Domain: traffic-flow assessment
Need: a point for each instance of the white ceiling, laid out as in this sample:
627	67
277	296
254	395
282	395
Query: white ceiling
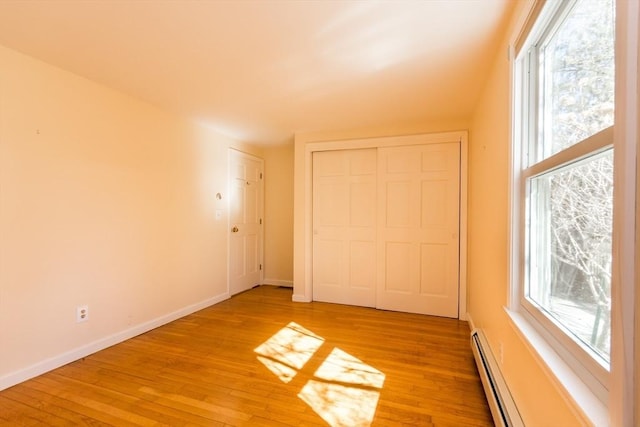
260	71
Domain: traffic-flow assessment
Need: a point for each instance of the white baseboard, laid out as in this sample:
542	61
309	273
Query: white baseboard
300	298
278	282
472	325
47	365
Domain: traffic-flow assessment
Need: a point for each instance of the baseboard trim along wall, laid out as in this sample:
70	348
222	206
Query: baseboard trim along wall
469	320
300	298
52	363
278	282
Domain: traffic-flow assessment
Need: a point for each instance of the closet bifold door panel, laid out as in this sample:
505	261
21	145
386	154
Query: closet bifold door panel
418	229
386	227
344	226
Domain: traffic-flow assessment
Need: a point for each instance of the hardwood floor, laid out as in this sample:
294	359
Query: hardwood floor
260	360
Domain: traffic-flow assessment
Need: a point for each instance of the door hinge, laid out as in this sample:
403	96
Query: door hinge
260	266
260	175
260	221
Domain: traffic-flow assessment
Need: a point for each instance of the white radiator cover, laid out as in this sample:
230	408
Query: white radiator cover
503	408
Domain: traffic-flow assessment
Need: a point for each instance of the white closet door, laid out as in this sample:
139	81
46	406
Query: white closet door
344	227
418	229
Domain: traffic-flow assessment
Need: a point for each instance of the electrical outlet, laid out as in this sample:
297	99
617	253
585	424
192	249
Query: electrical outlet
82	313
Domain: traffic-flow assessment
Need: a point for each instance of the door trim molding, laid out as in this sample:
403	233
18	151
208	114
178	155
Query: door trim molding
303	209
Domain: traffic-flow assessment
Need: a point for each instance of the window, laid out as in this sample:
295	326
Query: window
563	146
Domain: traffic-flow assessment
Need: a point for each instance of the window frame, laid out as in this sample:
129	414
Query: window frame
526	123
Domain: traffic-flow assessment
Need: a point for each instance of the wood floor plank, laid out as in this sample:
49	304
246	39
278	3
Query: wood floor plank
370	367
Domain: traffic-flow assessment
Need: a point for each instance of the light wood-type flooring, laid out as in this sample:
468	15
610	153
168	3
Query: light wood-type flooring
259	359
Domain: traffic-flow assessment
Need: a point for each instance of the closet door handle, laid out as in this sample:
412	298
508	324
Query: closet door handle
235	229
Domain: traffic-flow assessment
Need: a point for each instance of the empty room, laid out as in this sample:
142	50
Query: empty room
319	213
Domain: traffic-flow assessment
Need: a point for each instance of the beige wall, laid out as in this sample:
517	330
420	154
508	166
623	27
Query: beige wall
278	232
104	201
488	267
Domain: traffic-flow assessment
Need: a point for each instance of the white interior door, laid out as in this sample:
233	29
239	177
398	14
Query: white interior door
344	227
418	228
245	221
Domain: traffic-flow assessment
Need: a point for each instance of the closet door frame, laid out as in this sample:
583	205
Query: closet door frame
303	209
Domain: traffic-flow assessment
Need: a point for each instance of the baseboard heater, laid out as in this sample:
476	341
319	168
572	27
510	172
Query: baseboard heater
503	409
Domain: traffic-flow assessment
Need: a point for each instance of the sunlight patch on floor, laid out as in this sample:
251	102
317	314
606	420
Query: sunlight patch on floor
288	350
282	371
341	405
346	392
342	367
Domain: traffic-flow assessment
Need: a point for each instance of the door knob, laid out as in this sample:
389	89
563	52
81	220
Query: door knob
234	229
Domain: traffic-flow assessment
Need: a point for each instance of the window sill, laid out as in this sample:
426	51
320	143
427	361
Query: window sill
587	405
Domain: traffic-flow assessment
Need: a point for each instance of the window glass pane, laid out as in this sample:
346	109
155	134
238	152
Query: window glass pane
569	228
576	77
